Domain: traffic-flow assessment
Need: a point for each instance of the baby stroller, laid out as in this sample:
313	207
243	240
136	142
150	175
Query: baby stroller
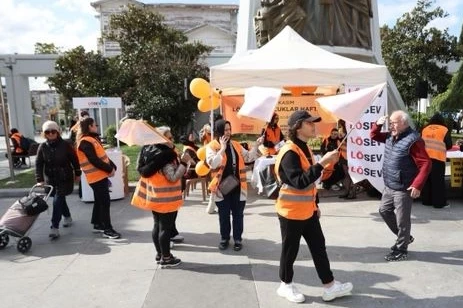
20	217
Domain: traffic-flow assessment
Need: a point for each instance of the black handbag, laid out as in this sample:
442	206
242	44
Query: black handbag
228	184
270	184
33	205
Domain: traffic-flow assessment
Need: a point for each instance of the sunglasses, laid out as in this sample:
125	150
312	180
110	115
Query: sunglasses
48	132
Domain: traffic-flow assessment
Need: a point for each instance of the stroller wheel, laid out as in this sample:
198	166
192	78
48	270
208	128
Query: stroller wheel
4	239
24	244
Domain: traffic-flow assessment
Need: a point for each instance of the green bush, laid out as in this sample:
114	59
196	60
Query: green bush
109	134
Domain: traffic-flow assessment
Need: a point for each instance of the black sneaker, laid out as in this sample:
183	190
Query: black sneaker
170	262
223	244
238	246
98	228
111	233
158	258
396	256
394	247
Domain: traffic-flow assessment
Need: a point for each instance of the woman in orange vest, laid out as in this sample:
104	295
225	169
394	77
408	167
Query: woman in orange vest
97	167
332	174
189	147
297	208
15	137
438	139
159	191
226	158
272	136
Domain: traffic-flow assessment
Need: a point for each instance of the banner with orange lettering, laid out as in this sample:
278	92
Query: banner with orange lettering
285	107
365	156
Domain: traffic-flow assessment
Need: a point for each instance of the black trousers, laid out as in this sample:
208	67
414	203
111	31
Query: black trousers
101	212
162	231
434	189
311	230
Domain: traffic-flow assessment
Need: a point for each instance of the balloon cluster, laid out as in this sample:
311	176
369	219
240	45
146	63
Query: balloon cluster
208	99
201	167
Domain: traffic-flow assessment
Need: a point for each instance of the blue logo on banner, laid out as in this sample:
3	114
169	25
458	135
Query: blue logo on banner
103	102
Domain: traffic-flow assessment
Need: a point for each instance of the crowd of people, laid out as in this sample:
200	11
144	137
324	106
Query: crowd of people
409	159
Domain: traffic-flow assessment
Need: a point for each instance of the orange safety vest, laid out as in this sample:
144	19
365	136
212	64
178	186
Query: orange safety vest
17	138
294	203
92	173
433	136
158	194
273	136
216	174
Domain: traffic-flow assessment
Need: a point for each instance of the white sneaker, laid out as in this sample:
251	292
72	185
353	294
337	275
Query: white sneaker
67	222
290	292
54	233
338	289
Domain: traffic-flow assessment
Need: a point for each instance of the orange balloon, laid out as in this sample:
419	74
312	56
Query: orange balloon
216	99
204	104
201	153
200	88
201	169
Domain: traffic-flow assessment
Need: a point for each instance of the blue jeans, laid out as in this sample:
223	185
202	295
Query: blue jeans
231	203
60	208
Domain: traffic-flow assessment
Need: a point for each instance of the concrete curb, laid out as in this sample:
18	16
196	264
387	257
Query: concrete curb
21	192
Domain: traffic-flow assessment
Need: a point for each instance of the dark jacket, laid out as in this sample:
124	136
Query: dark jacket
57	164
153	158
399	169
291	172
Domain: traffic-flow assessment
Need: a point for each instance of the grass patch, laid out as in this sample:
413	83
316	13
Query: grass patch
25	179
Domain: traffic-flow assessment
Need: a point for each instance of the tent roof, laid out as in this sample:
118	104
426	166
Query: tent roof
289	60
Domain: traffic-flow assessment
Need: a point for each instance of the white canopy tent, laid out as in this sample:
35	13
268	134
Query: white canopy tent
289	60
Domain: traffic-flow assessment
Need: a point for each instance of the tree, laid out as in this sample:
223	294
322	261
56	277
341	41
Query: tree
452	98
46	48
415	52
81	73
159	59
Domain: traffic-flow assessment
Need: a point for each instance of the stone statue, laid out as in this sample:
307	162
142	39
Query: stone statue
274	15
326	22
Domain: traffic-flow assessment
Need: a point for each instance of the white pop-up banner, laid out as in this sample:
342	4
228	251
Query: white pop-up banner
96	102
365	156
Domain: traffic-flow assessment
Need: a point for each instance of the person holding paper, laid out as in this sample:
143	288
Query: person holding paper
159	191
273	137
227	159
406	166
298	211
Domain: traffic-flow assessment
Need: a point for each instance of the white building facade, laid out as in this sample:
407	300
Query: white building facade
212	25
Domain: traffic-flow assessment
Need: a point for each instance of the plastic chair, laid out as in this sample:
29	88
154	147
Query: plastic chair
190	184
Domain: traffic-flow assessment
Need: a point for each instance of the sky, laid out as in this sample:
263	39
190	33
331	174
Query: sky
70	23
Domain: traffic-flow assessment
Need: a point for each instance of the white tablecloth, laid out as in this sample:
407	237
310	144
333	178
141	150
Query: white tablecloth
260	164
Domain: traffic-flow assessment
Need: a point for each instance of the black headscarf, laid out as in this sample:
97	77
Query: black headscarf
437	118
219	128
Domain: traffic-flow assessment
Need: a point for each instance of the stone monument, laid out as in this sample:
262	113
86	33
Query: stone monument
349	28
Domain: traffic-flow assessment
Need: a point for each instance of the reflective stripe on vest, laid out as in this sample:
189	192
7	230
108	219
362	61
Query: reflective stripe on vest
272	136
433	136
92	173
216	174
294	203
157	194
